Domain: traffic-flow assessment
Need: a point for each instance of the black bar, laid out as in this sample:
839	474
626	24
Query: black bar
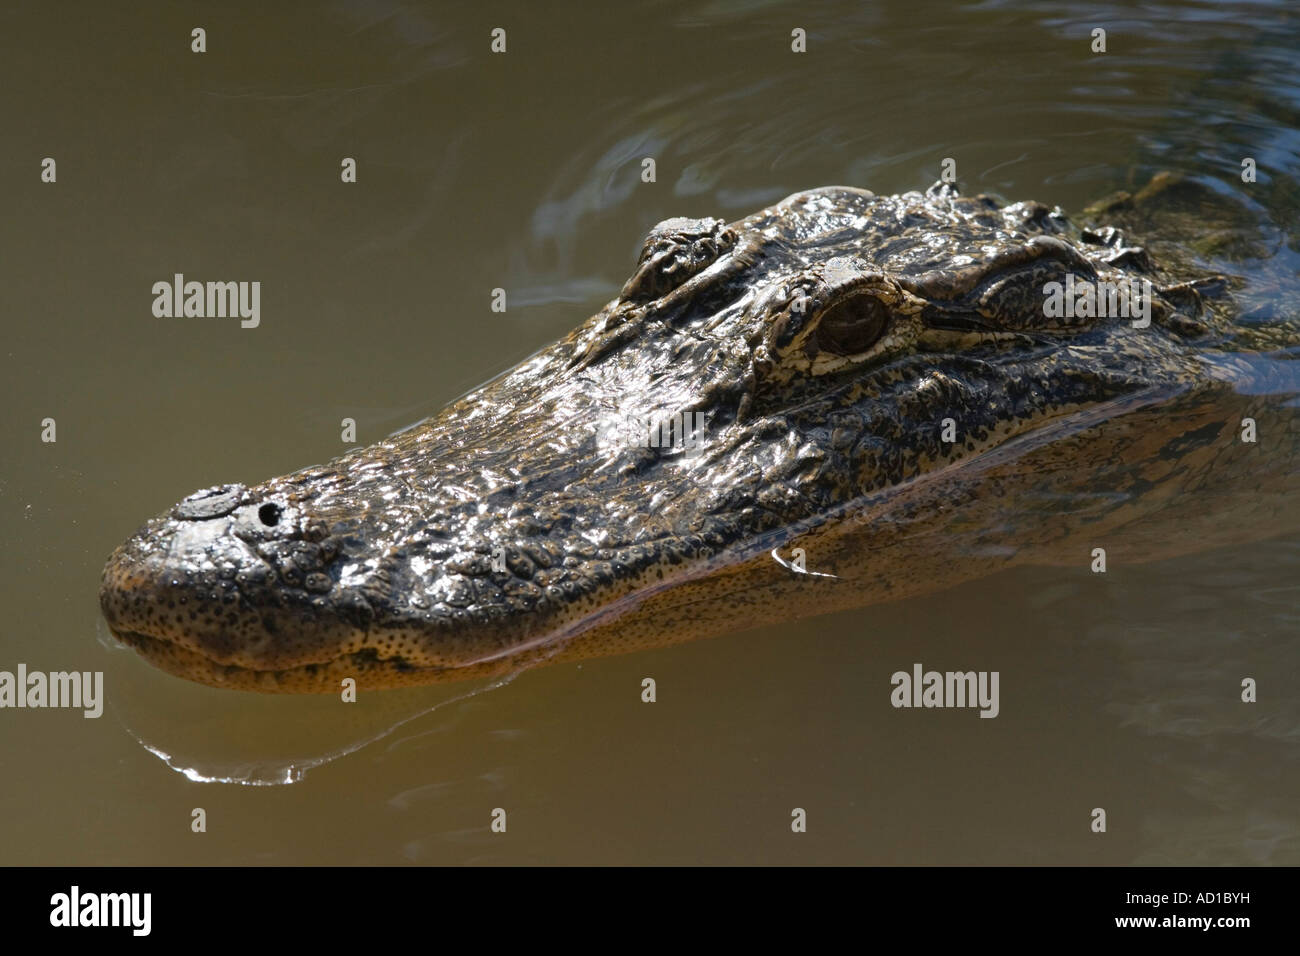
437	905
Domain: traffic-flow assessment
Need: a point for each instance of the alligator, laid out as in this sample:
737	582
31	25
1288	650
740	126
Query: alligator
843	399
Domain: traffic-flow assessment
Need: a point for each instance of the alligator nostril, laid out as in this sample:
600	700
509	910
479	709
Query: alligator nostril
269	513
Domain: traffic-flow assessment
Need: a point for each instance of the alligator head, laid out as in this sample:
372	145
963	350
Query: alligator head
755	384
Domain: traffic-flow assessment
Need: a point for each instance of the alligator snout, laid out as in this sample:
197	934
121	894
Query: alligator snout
228	579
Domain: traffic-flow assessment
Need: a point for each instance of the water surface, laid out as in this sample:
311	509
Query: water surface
522	171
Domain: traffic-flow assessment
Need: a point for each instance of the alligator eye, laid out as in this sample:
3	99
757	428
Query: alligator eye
852	326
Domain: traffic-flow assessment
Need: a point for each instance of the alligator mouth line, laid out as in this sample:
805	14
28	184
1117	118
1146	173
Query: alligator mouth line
180	661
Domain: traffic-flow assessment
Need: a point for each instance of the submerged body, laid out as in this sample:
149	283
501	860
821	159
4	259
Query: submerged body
876	381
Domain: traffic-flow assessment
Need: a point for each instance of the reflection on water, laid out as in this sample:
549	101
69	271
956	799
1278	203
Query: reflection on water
270	744
525	172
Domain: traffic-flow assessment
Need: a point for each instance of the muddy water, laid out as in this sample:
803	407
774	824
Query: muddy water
522	171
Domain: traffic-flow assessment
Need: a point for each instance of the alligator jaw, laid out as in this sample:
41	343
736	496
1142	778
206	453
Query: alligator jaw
876	382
